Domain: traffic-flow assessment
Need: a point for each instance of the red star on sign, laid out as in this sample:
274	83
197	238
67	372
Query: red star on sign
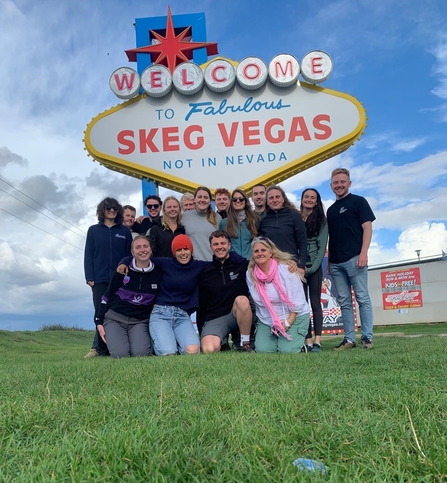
172	49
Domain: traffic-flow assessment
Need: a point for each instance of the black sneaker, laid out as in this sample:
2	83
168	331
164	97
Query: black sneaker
316	347
367	344
345	344
246	347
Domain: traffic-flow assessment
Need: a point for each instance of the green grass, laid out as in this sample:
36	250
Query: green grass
412	329
369	416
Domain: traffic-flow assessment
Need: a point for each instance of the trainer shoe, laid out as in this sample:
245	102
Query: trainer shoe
345	344
246	347
91	353
316	347
367	344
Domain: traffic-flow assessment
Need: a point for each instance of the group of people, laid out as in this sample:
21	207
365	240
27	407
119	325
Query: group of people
246	271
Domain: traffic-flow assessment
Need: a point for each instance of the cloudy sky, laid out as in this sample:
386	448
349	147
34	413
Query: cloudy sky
57	58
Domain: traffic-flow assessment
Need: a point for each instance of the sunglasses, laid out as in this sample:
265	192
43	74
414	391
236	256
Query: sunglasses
153	207
239	199
112	208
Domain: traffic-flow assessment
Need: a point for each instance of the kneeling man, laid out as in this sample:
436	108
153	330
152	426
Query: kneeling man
223	306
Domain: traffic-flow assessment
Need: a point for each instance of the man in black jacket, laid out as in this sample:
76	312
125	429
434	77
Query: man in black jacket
223	297
152	204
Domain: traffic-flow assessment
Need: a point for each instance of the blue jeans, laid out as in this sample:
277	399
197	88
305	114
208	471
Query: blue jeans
345	275
171	330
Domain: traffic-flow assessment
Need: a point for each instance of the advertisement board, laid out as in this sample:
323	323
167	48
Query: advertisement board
401	289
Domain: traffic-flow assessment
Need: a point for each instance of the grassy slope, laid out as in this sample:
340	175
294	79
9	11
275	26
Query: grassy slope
225	417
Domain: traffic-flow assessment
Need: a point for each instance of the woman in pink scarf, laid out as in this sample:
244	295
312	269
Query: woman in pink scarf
281	307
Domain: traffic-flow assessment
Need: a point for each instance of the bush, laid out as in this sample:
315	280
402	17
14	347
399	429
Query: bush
60	327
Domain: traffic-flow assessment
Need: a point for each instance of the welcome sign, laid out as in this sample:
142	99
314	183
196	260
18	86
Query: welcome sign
224	123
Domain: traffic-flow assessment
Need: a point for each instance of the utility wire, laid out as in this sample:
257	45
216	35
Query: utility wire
40	204
41	229
52	219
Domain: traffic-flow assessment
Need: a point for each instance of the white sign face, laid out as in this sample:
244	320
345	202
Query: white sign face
228	139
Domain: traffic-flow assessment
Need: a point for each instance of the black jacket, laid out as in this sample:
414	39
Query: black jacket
131	296
219	285
145	225
287	231
104	248
161	238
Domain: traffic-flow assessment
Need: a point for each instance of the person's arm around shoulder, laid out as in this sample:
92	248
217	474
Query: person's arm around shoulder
362	260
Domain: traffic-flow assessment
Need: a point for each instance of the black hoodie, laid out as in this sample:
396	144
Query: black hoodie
219	285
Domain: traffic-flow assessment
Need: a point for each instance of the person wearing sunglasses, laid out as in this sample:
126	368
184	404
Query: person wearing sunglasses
106	244
241	223
152	204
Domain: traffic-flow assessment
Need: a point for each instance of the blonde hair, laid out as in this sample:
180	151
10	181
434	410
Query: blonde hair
164	217
341	171
277	254
186	196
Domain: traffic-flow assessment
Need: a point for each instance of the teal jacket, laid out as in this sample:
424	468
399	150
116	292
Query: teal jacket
316	248
242	244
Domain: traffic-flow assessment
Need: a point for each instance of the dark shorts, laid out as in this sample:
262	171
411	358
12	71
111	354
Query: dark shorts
221	327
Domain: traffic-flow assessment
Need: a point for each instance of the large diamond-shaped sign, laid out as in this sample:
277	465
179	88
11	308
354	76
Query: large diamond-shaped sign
227	139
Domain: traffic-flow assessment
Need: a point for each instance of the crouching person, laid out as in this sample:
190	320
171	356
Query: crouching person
281	307
123	319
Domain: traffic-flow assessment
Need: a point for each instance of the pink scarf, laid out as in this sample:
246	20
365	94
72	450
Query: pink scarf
260	279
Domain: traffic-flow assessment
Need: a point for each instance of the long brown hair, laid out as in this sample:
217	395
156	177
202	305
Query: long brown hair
251	218
287	202
210	214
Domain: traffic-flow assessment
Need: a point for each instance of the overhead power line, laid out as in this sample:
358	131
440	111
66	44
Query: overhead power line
41	229
40	204
52	219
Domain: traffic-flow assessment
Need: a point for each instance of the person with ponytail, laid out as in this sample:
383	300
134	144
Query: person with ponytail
200	223
281	307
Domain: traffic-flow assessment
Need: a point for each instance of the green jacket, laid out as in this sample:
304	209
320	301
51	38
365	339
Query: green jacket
316	248
242	244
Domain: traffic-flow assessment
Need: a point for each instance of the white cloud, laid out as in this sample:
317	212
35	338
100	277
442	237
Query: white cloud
430	238
408	145
440	71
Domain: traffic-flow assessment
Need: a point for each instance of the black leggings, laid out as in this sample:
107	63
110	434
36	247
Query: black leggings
314	284
98	290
